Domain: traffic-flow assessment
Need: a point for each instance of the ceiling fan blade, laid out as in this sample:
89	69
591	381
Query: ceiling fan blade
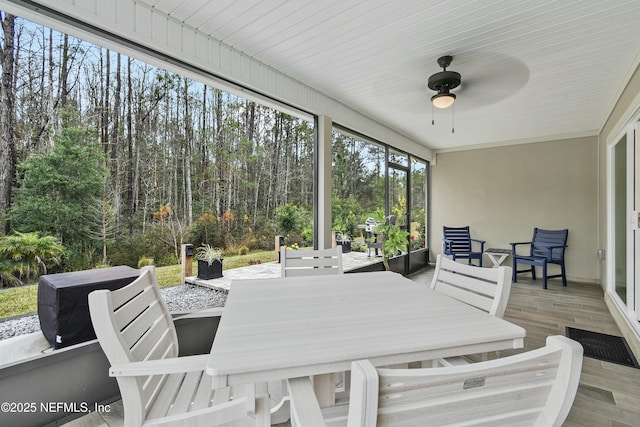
488	79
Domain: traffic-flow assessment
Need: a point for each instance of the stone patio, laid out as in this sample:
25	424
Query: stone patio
350	261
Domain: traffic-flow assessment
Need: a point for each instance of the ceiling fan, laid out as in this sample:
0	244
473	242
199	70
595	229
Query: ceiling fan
489	77
443	82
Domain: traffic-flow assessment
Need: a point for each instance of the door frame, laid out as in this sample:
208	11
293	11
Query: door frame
630	308
407	214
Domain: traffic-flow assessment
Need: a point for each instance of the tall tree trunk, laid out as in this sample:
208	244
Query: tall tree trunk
52	67
115	139
105	105
187	154
7	95
64	72
49	107
204	155
219	184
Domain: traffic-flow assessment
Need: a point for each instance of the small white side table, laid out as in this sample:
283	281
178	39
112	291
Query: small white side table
497	256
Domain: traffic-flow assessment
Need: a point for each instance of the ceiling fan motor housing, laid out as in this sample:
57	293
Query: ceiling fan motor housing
444	81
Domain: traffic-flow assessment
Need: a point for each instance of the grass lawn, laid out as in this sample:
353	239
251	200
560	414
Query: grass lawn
24	299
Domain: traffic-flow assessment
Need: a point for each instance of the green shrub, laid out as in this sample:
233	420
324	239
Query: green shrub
307	235
145	261
25	256
243	250
288	218
129	250
206	229
101	265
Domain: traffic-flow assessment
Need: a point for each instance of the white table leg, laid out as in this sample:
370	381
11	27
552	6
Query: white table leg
497	262
325	388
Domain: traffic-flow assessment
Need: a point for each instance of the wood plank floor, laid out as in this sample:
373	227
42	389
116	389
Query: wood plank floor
609	394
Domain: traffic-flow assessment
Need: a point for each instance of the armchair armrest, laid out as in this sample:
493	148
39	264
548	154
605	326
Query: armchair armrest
514	244
557	247
162	366
481	242
519	243
305	409
447	244
550	249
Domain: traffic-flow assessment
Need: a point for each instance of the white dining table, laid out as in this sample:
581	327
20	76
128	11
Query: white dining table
281	328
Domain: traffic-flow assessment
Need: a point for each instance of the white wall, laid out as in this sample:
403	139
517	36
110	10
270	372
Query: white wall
504	192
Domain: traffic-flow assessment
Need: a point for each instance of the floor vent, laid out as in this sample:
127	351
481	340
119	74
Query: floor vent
609	348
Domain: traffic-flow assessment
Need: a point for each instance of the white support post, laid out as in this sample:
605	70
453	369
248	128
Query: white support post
324	225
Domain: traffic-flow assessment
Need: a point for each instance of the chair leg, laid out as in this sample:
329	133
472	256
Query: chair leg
514	272
564	275
544	276
533	272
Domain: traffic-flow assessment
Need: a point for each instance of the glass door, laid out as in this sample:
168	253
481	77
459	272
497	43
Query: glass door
620	218
622	264
407	203
398	196
418	212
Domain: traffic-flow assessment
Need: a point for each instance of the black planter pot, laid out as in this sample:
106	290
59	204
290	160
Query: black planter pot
346	246
207	272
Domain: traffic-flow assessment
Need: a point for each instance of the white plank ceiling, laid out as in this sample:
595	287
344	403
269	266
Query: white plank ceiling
531	70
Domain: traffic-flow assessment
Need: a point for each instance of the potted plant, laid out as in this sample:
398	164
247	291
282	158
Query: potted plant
395	239
344	239
209	262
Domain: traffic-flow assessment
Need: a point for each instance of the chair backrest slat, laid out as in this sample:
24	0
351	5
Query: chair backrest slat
460	238
140	325
310	263
126	293
536	388
132	309
321	262
310	272
476	300
154	344
544	239
485	288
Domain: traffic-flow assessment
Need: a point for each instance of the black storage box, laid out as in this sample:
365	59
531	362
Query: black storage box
63	306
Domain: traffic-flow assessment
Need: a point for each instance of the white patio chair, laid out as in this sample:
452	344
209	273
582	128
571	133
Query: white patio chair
308	263
487	289
136	332
536	388
296	263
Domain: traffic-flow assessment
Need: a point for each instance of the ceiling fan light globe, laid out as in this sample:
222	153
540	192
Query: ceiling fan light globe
443	100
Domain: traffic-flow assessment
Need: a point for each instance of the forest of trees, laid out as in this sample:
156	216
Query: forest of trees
119	160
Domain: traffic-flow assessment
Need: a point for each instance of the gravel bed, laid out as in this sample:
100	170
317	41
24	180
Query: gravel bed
178	298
